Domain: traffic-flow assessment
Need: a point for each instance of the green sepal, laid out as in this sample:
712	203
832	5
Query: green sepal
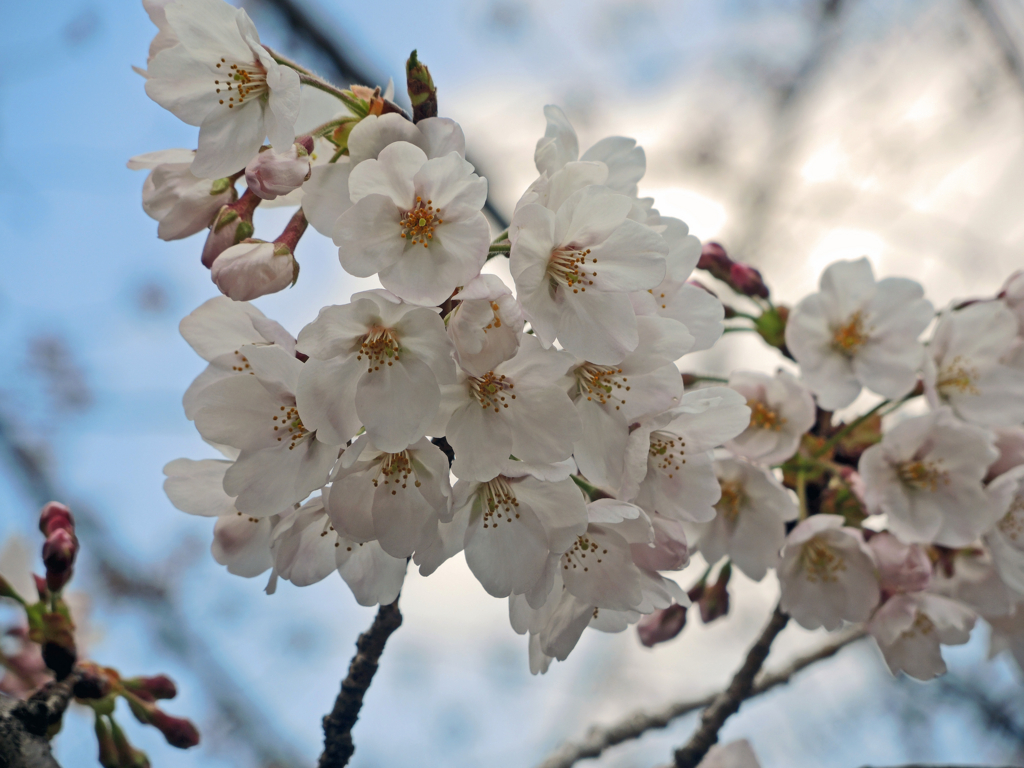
422	91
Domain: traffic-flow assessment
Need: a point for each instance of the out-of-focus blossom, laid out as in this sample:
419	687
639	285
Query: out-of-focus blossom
487	325
662	626
901	567
272	173
781	411
254	268
909	629
857	332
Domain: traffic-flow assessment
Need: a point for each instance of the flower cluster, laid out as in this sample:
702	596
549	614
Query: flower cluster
543	427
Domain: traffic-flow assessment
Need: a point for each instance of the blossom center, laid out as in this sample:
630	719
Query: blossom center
289	426
1012	524
395	469
566	268
603	383
820	562
763	417
921	627
499	502
731	501
419	223
576	557
241	82
666	452
380	346
922	475
848	338
957	378
491	390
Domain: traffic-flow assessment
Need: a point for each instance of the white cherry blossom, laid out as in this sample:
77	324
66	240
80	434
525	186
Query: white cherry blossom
750	527
221	79
1007	635
1012	294
857	332
375	362
781	411
217	330
926	477
968	370
395	498
909	629
827	574
281	461
668	465
608	398
306	549
273	173
574	268
254	268
165	37
415	221
901	567
1006	539
183	203
519	408
486	326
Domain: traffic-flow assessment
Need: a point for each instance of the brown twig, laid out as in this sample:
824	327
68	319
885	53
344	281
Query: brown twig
726	704
599	739
338	745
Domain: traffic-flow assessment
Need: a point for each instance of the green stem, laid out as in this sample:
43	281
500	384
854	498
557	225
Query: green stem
498	250
831	442
285	61
593	492
702	377
355	106
738	329
801	492
744	315
330	125
341	151
499	238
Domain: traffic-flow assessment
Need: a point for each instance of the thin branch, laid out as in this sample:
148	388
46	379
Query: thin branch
599	739
727	703
338	745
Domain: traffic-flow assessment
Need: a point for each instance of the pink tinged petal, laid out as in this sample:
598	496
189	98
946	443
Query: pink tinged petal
708	417
337	330
662	341
569	180
220	326
699	311
238	412
544	425
653	393
374	576
325	398
183	85
276	369
564	626
482	441
431	467
603	574
597	326
590	216
687	493
559	506
372	134
369	236
197	487
441	136
395	402
670	551
889	368
600	449
899	307
834	381
282	105
390	175
626	162
506	551
229	139
757	542
532	234
350	505
270	480
209	27
630	258
400	516
326	196
559	145
243	545
539	661
451	186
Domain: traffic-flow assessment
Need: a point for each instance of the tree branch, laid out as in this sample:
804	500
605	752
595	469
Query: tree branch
598	739
726	704
338	746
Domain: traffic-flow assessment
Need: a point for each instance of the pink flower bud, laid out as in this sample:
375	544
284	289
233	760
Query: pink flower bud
747	280
662	625
158	686
59	552
178	731
232	225
254	268
715	260
55	515
901	567
271	173
714	602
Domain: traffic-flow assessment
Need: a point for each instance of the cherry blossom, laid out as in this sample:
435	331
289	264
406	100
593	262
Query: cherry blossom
165	37
1006	539
781	411
254	268
668	464
968	371
375	362
857	332
909	629
281	460
901	567
750	527
415	221
827	574
217	330
1007	635
183	203
306	549
221	79
486	326
926	477
575	267
518	408
272	173
1012	294
394	498
609	398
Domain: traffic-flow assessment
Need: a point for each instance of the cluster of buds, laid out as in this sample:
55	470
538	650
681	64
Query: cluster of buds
742	278
61	545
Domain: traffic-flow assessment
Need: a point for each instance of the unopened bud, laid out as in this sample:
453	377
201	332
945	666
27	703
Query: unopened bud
178	731
422	91
271	173
714	602
901	567
662	625
254	268
108	755
41	588
59	551
55	515
127	755
157	686
93	682
715	260
232	225
747	281
772	327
